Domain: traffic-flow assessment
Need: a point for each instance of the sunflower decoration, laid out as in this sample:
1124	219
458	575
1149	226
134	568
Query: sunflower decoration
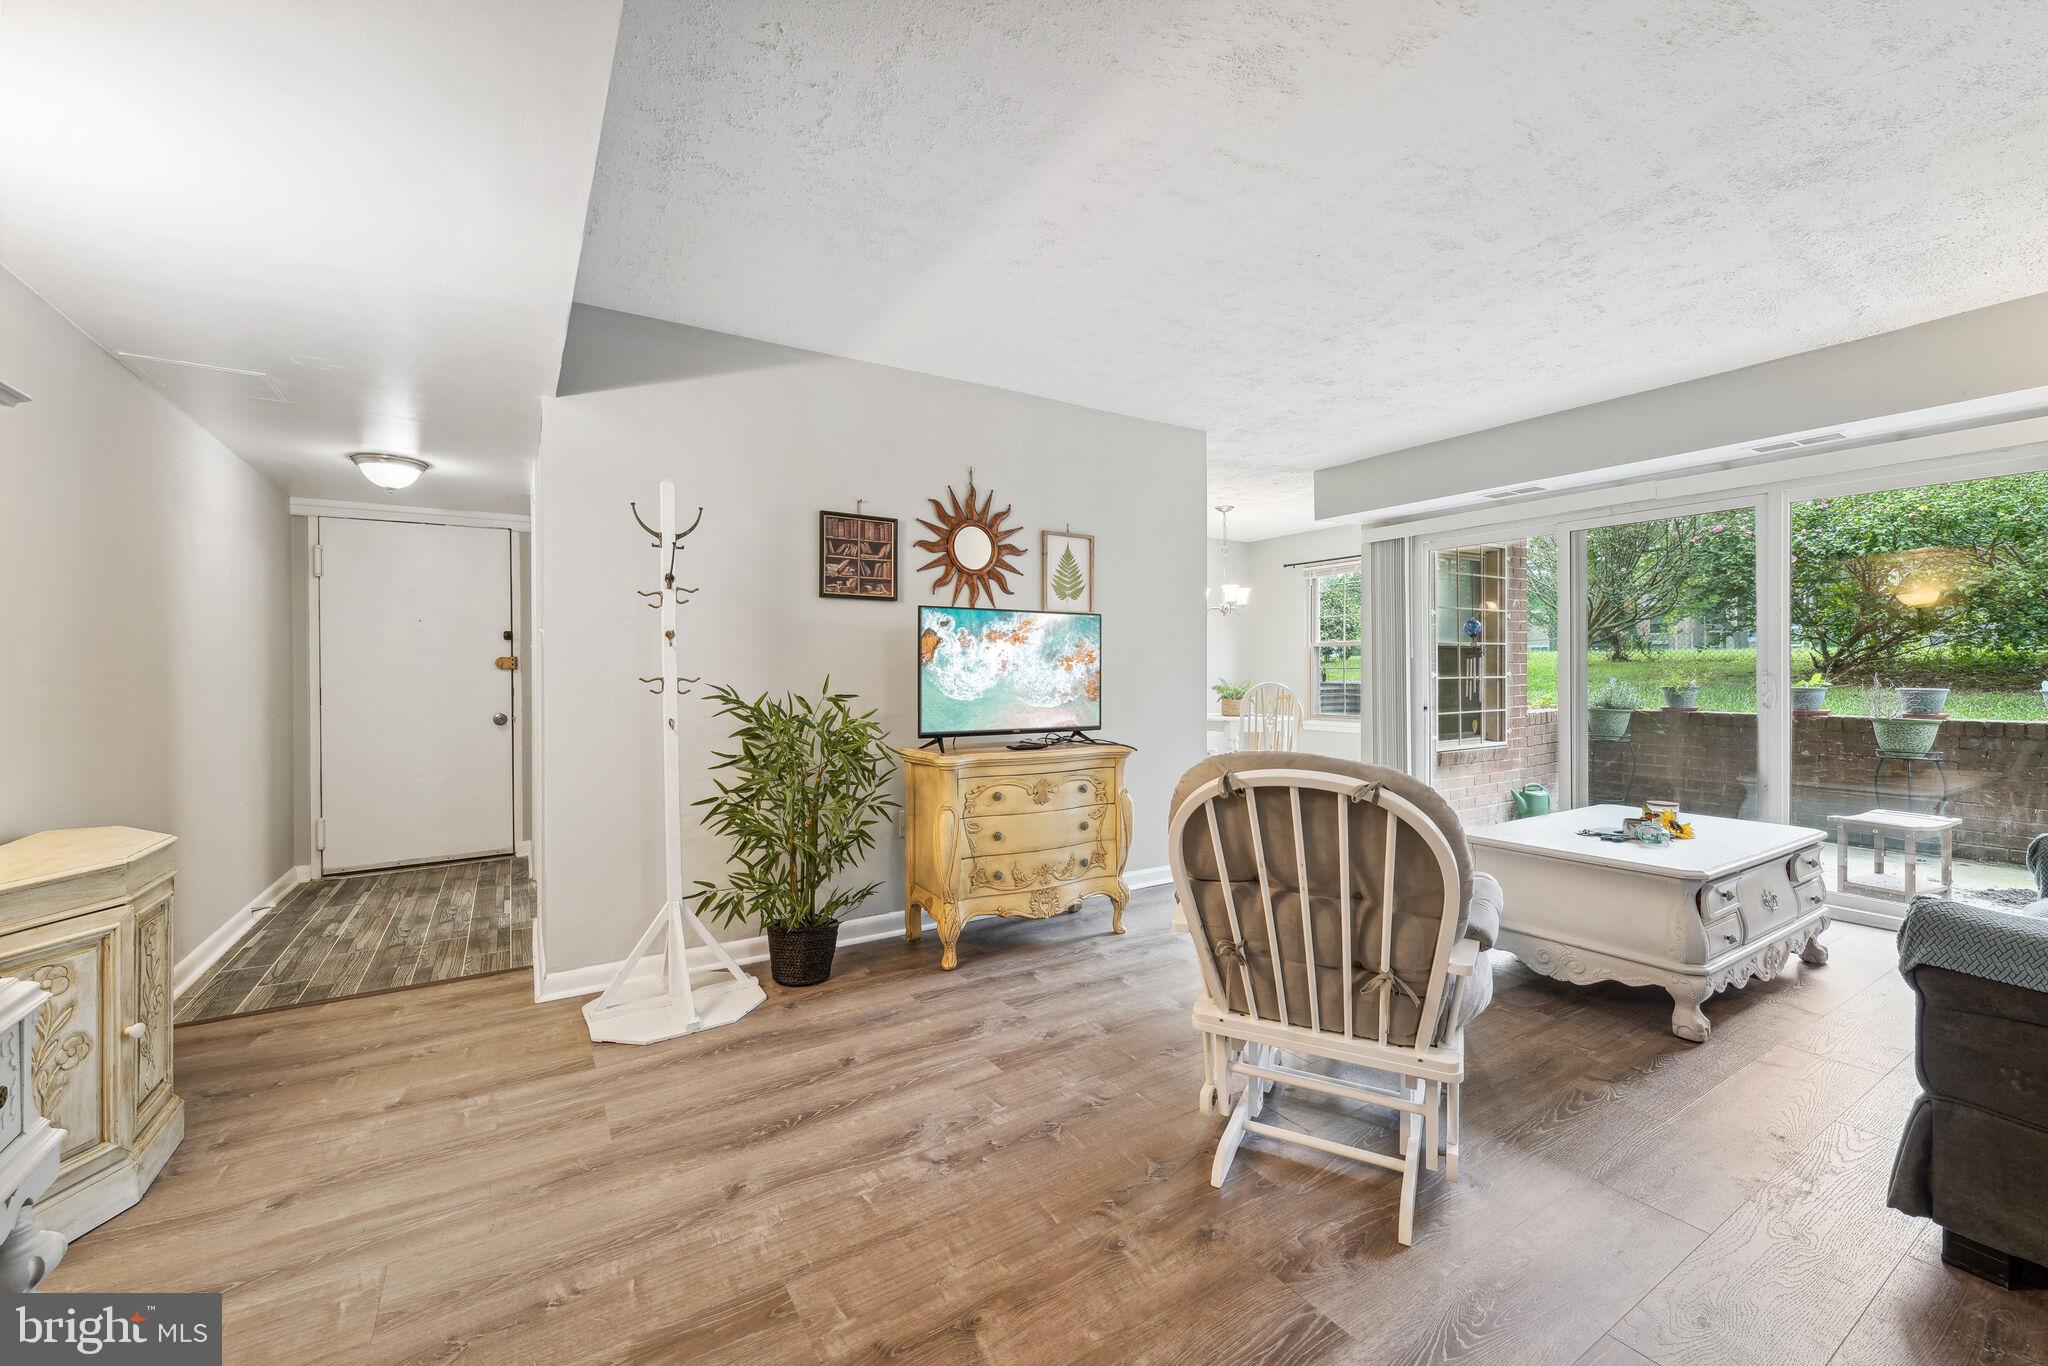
1673	826
971	545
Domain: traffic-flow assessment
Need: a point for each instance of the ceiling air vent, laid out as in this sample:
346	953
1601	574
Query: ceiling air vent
1512	493
11	397
1796	443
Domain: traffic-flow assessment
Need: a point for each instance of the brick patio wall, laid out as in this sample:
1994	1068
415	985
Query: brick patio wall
1997	773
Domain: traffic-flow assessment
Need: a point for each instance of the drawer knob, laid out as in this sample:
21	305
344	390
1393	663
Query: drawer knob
998	837
1084	787
136	1030
997	797
3	1097
1084	825
999	877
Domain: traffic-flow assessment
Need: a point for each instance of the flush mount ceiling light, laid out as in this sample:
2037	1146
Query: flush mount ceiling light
388	471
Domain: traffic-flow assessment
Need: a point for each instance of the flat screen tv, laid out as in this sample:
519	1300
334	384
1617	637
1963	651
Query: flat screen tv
994	671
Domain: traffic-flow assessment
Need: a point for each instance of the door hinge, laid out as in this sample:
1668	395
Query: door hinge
319	561
320	835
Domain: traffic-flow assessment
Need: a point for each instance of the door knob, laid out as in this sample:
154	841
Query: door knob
499	718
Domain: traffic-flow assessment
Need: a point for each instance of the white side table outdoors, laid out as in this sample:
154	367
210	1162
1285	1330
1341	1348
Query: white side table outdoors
1911	827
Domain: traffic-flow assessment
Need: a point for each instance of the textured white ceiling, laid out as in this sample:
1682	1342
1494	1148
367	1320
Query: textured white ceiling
377	204
1321	230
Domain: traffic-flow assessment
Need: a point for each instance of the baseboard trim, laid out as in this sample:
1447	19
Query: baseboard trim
556	986
215	946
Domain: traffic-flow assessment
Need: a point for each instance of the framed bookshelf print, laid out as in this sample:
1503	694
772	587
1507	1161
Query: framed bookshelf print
1066	572
856	556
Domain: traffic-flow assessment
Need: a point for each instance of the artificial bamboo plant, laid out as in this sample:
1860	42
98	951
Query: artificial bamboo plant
801	795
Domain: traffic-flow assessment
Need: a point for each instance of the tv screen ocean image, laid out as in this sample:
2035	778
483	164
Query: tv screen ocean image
983	669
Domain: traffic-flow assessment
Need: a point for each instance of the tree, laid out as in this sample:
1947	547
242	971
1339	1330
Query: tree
1876	576
1066	578
1641	576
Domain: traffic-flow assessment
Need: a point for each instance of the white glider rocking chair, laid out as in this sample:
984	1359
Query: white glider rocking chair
1361	877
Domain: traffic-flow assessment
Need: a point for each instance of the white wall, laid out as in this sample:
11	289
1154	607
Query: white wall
144	675
1268	642
765	437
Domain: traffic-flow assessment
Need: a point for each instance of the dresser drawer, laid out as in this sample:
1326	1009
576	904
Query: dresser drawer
1723	934
1765	898
1028	832
1804	866
1000	794
1029	872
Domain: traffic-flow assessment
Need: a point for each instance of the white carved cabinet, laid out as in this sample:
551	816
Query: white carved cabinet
85	915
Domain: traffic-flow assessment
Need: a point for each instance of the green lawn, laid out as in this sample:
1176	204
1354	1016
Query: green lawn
1727	680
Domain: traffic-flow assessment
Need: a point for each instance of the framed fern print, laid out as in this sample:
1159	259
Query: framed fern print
1066	571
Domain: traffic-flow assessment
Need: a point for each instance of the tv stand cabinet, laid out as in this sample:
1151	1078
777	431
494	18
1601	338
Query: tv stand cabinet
1020	833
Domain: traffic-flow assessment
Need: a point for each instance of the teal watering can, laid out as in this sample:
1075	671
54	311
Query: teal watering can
1531	800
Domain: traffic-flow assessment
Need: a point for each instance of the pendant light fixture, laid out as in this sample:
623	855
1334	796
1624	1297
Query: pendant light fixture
389	471
1230	597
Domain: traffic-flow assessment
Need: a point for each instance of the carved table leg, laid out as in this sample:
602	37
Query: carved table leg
1815	952
1688	1021
913	923
29	1253
1117	899
949	937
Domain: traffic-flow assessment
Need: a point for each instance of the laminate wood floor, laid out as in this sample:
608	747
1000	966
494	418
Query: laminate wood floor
367	932
1005	1164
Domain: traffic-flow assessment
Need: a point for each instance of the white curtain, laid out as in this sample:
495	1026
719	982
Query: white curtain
1384	597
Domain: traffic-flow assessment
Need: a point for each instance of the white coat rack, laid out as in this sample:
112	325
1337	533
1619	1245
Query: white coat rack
656	1007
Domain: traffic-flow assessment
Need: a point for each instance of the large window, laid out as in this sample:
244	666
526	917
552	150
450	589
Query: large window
1336	652
1919	639
1670	638
1864	655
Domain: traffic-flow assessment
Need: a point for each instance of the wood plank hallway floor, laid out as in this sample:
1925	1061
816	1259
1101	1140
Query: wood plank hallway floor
1005	1164
354	934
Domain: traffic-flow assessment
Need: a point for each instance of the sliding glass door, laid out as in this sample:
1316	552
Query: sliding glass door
1918	631
1867	656
1668	633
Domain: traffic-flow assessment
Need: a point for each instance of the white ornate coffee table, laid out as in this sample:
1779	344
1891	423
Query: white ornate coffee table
1692	916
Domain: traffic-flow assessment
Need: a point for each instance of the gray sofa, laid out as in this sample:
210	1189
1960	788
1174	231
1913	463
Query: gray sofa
1976	1143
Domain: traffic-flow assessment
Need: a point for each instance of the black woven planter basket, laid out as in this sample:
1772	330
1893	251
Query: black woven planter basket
802	958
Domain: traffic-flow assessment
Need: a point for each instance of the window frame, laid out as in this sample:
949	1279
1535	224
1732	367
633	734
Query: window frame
1313	576
1477	553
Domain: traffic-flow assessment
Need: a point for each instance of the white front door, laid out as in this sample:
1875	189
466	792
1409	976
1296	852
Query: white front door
414	720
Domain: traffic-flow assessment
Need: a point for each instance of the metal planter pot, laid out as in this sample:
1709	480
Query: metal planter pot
1813	698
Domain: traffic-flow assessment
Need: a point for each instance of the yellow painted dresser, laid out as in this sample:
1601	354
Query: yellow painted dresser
1025	833
86	916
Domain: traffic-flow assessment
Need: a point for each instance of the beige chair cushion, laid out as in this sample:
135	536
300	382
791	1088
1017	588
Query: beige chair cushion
1309	876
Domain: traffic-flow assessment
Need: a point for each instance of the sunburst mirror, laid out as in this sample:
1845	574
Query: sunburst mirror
970	545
